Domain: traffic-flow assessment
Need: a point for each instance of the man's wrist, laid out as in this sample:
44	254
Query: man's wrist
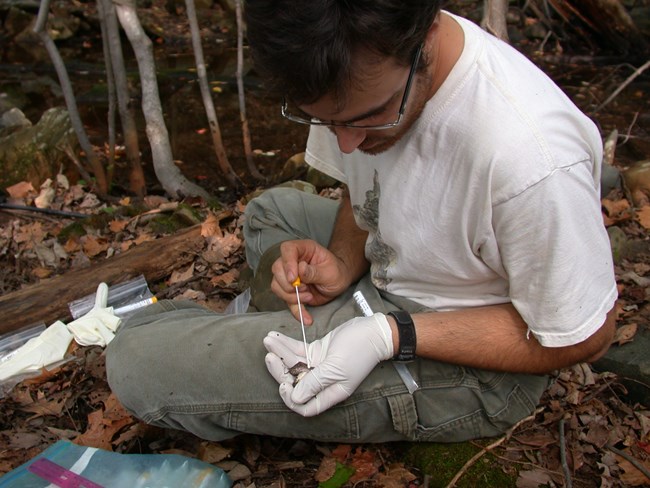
404	332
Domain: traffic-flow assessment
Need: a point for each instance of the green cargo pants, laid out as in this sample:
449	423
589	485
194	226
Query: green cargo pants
178	365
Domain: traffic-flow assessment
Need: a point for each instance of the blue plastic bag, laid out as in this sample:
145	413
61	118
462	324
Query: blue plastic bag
68	465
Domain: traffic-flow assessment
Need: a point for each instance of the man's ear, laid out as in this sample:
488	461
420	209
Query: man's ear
433	29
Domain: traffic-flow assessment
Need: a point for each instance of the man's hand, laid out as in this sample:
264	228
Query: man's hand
341	361
322	274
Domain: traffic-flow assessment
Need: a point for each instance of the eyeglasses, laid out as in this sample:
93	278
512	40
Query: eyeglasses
308	120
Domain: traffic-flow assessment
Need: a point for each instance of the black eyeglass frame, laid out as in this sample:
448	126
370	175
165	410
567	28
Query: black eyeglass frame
314	121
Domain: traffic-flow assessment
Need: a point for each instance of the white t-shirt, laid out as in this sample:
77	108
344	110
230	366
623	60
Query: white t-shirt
491	197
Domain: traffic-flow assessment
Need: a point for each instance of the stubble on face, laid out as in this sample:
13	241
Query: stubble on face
377	142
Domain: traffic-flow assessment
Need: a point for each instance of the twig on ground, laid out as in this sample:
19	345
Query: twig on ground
565	466
166	293
490	447
629	80
630	459
629	129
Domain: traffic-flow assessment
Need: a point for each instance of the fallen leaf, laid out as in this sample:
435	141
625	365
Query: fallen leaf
211	452
631	475
363	462
533	478
118	225
21	190
326	469
643	216
144	237
624	334
396	476
225	279
211	226
180	276
94	246
41	273
192	295
46	195
340	477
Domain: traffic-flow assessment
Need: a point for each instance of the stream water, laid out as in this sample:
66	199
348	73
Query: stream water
28	79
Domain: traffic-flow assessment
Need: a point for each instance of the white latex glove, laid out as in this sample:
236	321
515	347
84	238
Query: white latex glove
98	326
47	348
341	361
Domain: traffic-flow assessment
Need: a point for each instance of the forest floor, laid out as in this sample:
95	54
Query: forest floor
587	429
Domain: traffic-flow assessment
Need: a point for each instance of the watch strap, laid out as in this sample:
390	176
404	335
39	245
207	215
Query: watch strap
406	334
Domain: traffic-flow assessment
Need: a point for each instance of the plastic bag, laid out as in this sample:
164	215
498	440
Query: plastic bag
119	297
68	465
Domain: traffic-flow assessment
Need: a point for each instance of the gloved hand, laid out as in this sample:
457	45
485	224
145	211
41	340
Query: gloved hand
41	351
341	361
98	326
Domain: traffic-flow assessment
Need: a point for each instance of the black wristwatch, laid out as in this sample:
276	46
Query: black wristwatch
407	339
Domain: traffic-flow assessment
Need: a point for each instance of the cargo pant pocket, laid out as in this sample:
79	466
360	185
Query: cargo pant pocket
481	405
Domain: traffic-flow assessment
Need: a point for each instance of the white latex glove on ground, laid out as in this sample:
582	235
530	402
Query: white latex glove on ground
38	352
98	326
341	361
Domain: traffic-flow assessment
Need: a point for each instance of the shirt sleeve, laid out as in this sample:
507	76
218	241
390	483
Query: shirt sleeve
323	153
557	256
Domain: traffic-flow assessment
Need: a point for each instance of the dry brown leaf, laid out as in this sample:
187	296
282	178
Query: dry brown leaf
224	245
396	476
631	475
180	276
144	237
225	279
21	190
538	440
100	431
326	469
533	478
624	333
93	246
211	227
117	225
341	452
615	210
643	216
211	452
33	232
126	245
20	440
192	295
72	245
364	464
41	273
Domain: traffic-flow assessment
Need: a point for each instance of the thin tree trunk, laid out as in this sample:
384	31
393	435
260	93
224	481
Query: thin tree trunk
168	174
71	103
110	84
494	18
206	95
248	151
137	182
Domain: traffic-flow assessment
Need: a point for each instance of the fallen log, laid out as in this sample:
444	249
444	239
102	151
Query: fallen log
47	301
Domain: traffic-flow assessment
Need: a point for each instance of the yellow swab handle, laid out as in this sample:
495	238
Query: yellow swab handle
296	282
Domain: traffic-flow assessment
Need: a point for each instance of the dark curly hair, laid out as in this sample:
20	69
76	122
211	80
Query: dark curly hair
303	49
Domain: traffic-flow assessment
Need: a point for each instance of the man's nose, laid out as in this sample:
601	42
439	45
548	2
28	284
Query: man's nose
349	138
